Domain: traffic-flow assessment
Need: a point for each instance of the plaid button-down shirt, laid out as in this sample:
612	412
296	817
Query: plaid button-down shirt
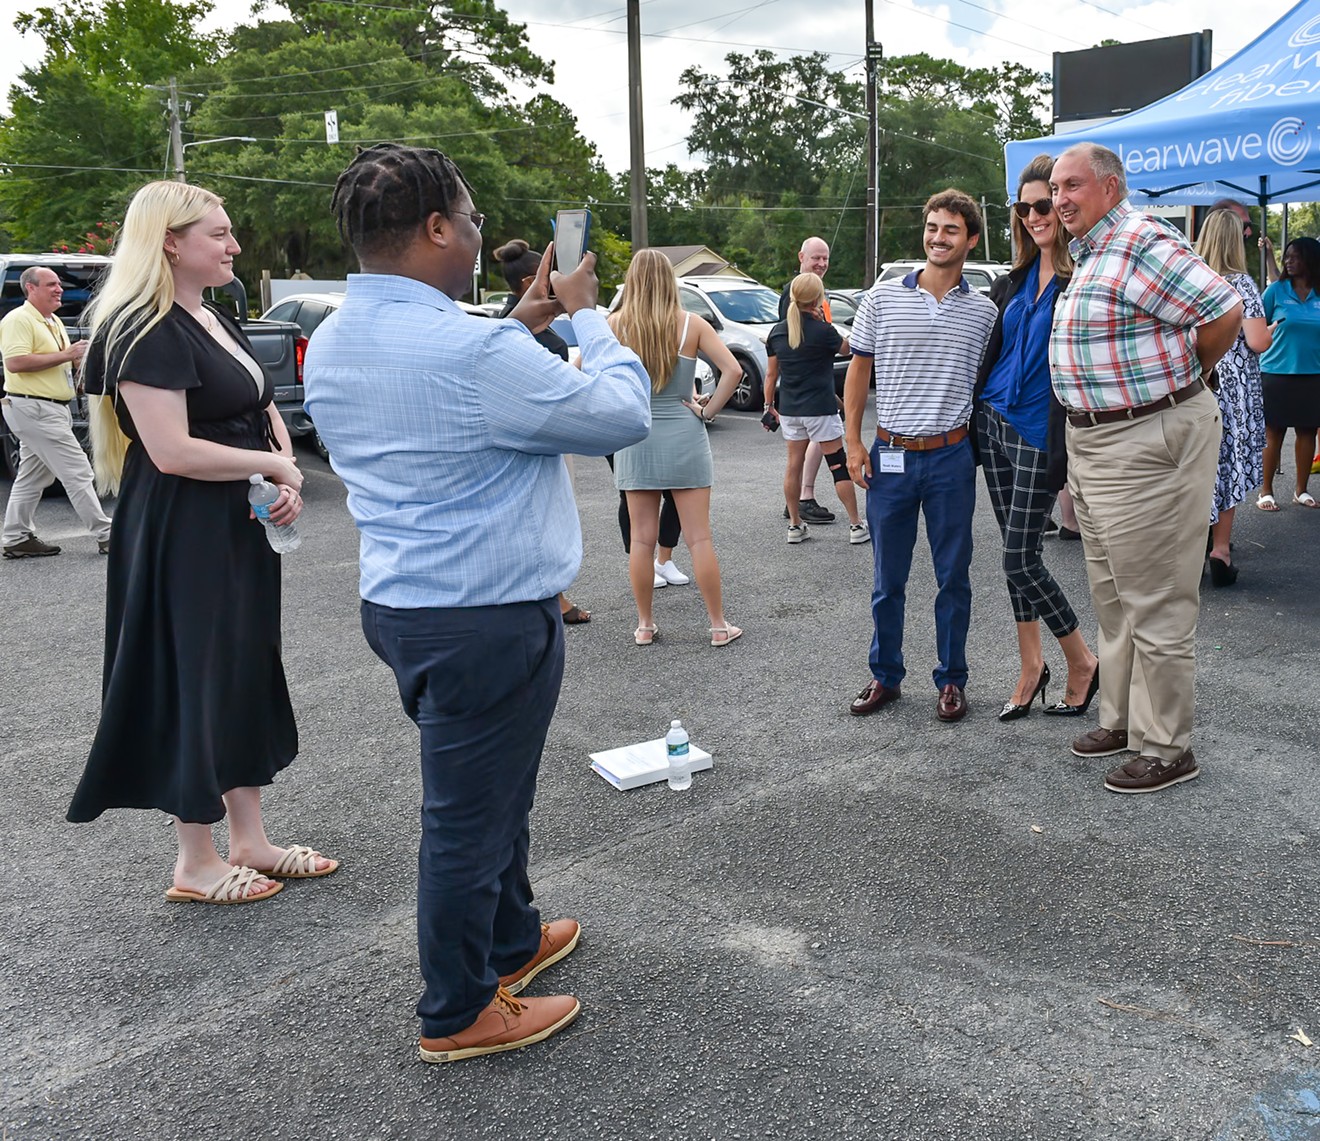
1124	331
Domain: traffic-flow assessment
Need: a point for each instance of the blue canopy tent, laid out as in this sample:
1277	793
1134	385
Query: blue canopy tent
1247	130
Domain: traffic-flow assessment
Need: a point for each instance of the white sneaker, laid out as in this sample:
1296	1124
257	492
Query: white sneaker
660	581
858	533
671	574
797	534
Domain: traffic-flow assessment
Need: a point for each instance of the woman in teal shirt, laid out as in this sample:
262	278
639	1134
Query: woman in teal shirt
1290	369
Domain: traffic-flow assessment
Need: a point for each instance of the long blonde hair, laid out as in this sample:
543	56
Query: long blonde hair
1220	243
133	298
805	291
648	314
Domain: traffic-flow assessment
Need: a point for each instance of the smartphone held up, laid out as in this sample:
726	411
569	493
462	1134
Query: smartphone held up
572	236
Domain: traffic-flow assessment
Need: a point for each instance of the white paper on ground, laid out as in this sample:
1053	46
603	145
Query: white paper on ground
644	763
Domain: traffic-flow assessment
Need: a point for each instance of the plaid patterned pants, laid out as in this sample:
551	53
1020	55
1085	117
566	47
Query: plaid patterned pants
1015	479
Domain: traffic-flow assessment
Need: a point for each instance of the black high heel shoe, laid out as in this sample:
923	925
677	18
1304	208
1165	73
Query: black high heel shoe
1063	709
1012	711
1222	573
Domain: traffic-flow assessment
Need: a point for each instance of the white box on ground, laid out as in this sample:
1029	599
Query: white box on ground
644	763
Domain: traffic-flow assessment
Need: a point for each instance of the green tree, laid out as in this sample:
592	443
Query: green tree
87	105
786	149
473	40
275	84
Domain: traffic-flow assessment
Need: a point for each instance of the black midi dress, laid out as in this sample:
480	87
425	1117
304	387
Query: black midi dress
194	698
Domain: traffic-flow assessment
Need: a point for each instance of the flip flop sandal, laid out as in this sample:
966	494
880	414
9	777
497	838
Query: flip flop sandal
1305	499
299	863
1266	503
235	887
575	616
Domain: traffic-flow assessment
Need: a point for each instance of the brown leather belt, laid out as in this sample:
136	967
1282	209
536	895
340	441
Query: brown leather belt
922	443
1115	415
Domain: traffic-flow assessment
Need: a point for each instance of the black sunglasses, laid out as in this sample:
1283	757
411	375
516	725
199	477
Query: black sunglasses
1042	206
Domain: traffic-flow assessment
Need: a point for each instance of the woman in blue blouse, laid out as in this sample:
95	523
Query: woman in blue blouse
1290	368
1019	432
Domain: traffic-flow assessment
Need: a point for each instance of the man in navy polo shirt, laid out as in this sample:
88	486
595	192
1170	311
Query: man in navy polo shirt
923	337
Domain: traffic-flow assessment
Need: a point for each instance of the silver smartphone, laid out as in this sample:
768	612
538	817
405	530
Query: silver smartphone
572	233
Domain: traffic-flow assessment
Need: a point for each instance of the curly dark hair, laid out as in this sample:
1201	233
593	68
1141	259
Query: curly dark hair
955	202
388	190
1308	249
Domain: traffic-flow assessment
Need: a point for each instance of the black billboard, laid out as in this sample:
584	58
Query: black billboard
1099	83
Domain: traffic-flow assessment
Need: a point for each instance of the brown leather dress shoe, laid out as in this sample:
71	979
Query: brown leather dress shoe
557	940
507	1023
1101	743
872	698
952	705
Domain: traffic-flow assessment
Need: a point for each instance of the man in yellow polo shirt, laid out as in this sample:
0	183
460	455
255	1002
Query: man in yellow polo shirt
39	363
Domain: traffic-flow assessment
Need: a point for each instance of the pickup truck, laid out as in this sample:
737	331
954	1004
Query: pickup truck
279	345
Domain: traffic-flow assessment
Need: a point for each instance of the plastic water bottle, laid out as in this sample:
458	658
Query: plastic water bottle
283	538
676	745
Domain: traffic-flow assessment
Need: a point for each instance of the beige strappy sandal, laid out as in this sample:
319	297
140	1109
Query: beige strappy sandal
234	887
299	863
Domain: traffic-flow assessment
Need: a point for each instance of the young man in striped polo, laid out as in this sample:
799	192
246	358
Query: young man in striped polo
923	337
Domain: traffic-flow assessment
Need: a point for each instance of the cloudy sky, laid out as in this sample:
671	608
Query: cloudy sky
586	41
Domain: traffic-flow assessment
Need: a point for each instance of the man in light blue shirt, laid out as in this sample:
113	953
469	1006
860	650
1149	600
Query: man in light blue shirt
449	432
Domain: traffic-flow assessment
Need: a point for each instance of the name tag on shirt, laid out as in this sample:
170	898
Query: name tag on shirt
891	460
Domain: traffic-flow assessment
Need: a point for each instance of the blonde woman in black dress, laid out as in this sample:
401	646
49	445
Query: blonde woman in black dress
195	714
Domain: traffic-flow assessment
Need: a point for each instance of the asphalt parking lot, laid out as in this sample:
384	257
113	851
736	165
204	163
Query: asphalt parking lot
850	928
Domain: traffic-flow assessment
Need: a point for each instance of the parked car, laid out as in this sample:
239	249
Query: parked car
980	275
843	306
742	312
563	325
278	346
493	303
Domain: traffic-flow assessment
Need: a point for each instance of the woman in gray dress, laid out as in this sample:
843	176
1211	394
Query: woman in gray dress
676	455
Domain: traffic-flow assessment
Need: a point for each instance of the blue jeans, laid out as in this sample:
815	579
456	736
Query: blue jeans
481	683
941	484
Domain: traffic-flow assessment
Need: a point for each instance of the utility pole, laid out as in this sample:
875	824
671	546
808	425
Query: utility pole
874	54
637	192
176	132
985	232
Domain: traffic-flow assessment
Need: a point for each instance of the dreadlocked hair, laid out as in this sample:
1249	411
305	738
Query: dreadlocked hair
388	190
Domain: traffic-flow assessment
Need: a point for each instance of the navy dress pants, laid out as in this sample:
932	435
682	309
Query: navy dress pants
941	485
481	683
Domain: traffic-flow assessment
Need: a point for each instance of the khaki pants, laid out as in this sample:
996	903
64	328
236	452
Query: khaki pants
1143	490
48	451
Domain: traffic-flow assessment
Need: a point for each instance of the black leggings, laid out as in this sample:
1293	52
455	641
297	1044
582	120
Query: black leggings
670	531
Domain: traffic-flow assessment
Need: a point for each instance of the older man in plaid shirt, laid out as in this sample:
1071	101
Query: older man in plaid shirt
1138	330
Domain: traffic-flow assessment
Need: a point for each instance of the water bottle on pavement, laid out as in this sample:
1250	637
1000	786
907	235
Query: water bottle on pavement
283	538
676	745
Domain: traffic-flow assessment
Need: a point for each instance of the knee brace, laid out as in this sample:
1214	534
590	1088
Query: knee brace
838	465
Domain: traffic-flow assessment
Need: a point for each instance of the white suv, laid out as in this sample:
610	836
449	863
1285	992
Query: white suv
980	275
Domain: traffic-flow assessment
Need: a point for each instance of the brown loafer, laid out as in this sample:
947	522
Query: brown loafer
952	705
872	698
1150	774
1101	743
558	939
507	1023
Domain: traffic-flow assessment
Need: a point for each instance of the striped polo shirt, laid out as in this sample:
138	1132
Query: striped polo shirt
926	353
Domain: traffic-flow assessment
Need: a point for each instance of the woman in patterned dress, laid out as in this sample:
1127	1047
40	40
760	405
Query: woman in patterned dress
1241	466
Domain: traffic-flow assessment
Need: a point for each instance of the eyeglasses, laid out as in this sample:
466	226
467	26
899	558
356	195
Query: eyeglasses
1042	207
478	219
